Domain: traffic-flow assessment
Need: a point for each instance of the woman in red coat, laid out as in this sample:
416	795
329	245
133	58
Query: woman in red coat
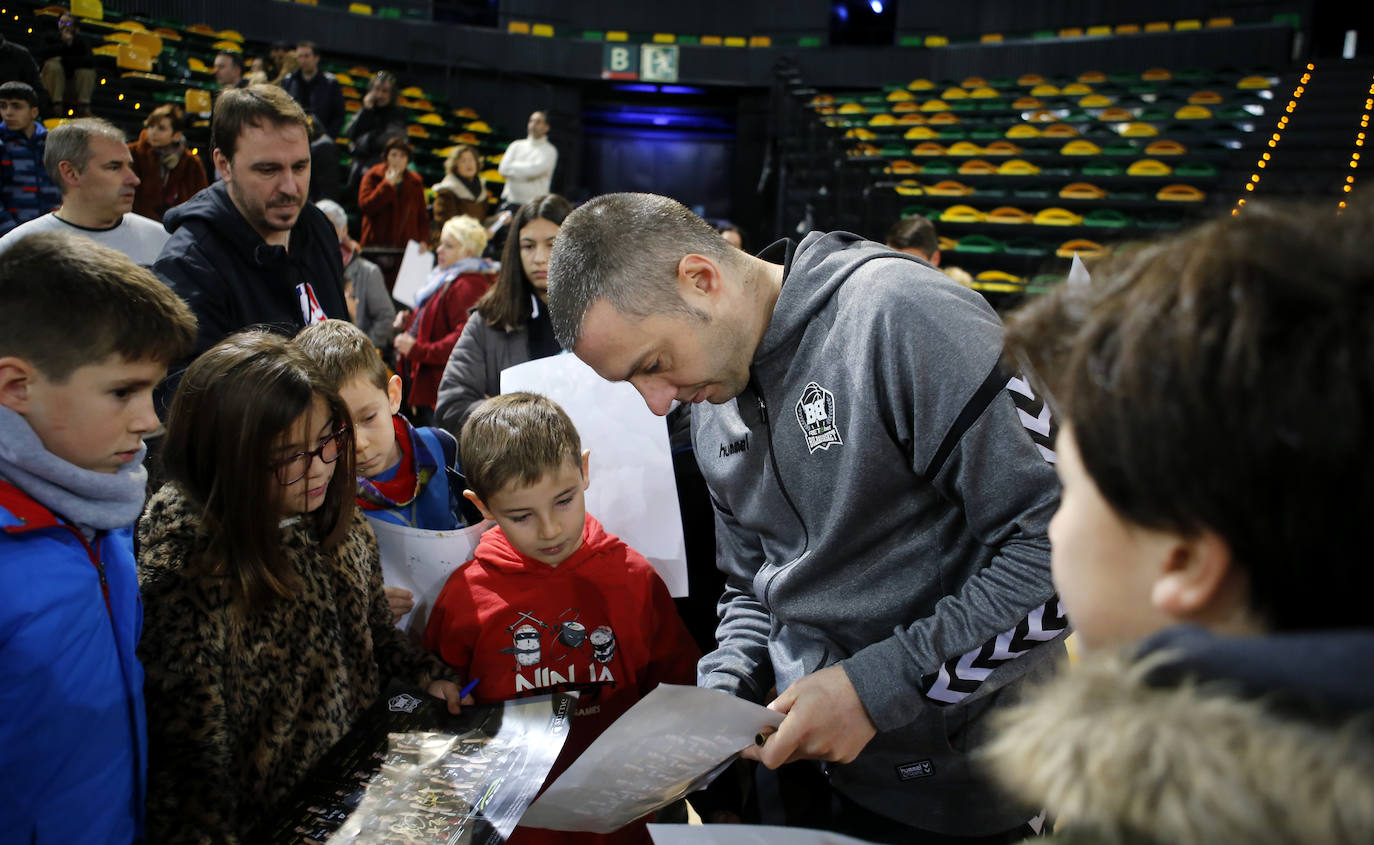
459	279
168	175
392	200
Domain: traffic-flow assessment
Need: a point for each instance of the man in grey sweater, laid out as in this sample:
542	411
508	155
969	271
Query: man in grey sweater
881	492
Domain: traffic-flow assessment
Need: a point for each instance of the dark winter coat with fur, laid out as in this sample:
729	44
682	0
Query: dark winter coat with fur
1202	740
238	710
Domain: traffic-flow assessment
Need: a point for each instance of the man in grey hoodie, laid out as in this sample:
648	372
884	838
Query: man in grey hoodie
881	492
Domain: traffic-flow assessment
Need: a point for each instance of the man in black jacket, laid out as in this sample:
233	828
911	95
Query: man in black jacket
379	120
250	250
16	63
319	94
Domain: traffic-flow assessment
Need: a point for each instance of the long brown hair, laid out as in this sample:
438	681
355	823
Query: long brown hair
507	304
233	404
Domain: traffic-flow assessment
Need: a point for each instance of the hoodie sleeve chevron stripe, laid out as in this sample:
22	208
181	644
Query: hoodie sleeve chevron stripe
959	677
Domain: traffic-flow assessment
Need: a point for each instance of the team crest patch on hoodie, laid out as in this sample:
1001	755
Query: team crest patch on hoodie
816	416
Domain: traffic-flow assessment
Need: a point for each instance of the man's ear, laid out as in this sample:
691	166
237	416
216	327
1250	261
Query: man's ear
69	173
935	258
586	476
393	393
478	503
16	375
1198	578
699	276
221	165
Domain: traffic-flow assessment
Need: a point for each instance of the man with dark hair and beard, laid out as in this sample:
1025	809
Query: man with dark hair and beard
249	250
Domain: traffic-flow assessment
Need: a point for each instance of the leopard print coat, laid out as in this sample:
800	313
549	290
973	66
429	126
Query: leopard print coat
239	710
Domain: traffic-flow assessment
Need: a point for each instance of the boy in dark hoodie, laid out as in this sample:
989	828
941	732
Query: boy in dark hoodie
551	601
85	335
1217	402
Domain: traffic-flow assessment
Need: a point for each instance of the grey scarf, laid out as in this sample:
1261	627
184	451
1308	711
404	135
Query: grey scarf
91	500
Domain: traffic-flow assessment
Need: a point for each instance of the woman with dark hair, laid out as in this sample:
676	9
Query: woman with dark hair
511	323
266	631
392	200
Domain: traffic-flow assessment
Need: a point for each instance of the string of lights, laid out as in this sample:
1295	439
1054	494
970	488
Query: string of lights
1303	82
1359	142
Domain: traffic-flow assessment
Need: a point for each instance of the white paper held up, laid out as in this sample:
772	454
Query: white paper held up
1078	273
745	834
667	745
421	561
415	268
632	490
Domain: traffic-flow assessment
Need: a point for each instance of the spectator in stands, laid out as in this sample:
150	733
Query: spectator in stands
67	57
229	69
529	162
167	172
249	250
460	277
91	165
378	121
320	95
26	190
257	71
370	306
392	200
732	233
510	324
463	178
915	235
281	62
443	209
17	65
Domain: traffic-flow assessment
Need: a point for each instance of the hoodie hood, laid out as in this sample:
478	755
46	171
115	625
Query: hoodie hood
213	211
827	261
495	550
1203	739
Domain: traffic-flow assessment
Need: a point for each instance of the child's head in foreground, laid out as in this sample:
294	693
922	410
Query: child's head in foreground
350	365
85	336
525	468
255	436
1217	398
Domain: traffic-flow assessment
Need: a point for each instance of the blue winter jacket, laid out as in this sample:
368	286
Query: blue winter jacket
73	741
26	191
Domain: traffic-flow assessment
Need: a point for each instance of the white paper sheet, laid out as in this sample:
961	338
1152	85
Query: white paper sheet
632	490
744	834
667	745
415	268
1078	273
421	561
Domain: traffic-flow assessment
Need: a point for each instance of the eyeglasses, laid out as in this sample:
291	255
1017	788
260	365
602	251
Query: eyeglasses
291	469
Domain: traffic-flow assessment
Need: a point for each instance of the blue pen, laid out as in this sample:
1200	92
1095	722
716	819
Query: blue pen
472	685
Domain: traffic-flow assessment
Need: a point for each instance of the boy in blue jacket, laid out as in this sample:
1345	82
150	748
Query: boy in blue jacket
403	471
85	335
26	189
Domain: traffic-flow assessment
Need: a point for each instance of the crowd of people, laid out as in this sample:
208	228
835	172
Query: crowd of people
912	504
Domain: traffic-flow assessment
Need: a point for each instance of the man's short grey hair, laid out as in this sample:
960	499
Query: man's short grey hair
72	142
625	248
335	213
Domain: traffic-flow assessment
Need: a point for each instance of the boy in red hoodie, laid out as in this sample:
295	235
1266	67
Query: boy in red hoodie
551	602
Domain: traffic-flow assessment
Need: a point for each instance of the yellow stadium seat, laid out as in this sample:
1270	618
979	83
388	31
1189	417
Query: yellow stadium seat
1099	30
1187	24
1076	89
197	101
920	85
1045	89
936	41
1071	32
1220	22
899	96
134	58
1009	214
983	92
1180	193
1028	80
231	35
1166	148
977	167
853	108
973	82
901	165
1000	276
883	119
148	41
934	105
1253	83
860	134
1080	148
131	26
431	119
1148	167
949	188
964	148
1059	130
202	29
1193	113
1084	247
1002	148
1204	98
1095	101
963	214
1027	103
909	188
910	113
89	9
1057	217
1157	26
1082	191
1092	77
1023	130
542	30
1139	130
954	94
1156	74
197	65
1127	29
359	8
920	133
228	46
929	148
991	38
120	37
1114	115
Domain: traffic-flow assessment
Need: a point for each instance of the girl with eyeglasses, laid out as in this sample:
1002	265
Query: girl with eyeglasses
266	631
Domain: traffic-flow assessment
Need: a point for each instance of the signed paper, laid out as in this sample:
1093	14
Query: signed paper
421	561
669	744
744	834
415	268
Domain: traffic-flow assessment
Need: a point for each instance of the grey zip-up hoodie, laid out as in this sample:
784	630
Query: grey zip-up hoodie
881	504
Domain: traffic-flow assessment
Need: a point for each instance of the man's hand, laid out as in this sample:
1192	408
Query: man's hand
369	100
393	175
404	343
400	601
825	721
